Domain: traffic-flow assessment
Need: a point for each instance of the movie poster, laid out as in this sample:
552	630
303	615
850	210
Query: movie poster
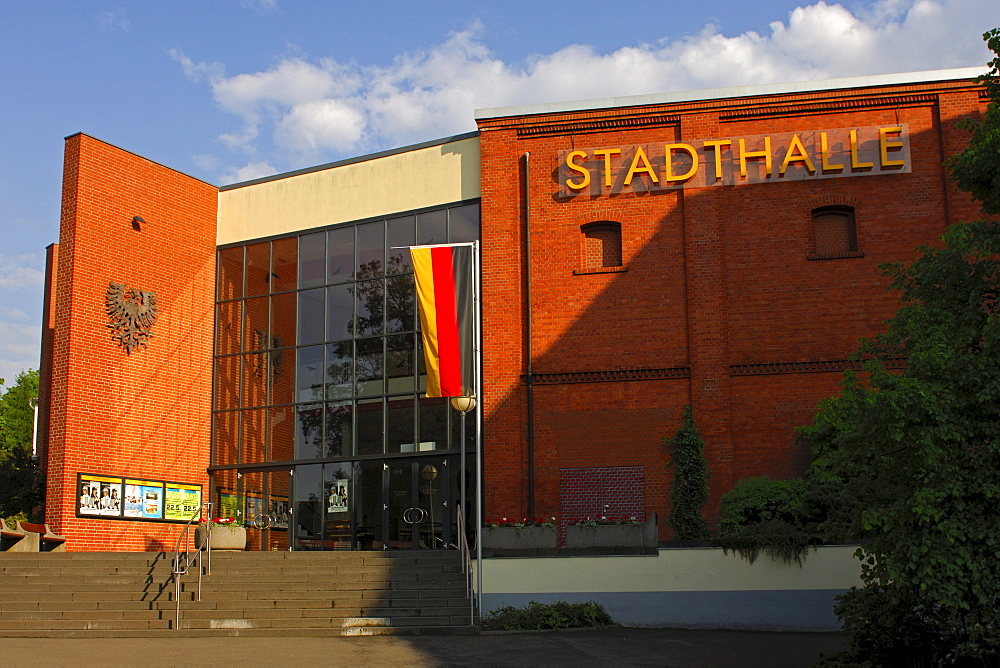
100	496
182	502
143	499
337	496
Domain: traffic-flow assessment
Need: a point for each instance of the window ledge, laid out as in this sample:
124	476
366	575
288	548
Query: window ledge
835	256
599	270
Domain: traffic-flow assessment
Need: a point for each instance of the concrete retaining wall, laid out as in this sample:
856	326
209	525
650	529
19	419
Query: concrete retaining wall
689	588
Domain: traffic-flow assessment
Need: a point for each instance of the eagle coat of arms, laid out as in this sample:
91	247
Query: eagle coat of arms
131	315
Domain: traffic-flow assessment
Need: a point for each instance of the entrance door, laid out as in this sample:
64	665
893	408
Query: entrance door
258	498
417	504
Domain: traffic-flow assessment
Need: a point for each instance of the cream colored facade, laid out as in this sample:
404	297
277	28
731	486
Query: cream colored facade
411	178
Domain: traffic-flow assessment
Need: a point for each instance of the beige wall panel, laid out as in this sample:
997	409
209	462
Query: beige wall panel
710	569
424	177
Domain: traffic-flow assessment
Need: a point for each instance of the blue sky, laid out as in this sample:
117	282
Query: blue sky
227	90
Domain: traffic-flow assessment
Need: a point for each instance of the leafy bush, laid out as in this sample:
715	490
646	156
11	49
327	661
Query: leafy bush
558	615
690	488
764	514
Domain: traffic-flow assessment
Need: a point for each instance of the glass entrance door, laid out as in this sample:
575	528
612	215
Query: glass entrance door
418	505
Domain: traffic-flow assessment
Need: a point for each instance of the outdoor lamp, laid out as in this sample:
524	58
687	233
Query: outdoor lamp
463	404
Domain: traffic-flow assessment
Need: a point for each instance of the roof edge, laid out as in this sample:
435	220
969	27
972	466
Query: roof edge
871	80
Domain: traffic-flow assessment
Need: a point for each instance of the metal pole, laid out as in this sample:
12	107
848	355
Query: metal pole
34	434
478	335
462	483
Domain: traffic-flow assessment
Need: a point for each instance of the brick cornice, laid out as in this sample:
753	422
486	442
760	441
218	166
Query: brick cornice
609	376
810	366
828	107
597	125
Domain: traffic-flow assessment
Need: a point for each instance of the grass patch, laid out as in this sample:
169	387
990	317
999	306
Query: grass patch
558	615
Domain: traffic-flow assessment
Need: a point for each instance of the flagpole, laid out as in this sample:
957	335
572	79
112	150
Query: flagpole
477	336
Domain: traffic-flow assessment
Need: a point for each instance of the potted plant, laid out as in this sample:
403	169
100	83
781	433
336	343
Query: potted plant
529	533
611	531
228	533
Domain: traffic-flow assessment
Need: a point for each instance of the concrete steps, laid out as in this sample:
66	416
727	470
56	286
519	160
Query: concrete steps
248	594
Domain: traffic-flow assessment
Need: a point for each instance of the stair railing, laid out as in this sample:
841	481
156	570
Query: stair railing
466	556
183	561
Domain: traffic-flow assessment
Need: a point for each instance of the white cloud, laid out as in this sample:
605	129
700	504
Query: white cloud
112	21
20	272
20	344
253	170
320	110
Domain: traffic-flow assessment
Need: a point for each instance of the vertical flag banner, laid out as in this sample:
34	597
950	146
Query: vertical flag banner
443	275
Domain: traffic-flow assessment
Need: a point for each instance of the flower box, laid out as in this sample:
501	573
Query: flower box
525	538
643	535
223	537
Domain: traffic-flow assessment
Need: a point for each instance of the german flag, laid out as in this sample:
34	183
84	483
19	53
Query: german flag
443	276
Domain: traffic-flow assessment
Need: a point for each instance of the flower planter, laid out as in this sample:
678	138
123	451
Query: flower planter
223	538
513	539
613	535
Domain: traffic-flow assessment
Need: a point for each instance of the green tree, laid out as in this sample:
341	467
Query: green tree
919	450
20	480
690	488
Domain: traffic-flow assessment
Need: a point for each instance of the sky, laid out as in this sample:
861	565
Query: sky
230	90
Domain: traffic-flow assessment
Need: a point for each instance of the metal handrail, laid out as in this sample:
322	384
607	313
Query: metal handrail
466	556
190	561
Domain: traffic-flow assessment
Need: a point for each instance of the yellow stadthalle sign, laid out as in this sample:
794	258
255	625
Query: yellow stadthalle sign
789	156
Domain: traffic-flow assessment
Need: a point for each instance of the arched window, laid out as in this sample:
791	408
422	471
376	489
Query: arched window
602	245
834	232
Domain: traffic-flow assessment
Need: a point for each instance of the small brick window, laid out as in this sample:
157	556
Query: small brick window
602	246
834	234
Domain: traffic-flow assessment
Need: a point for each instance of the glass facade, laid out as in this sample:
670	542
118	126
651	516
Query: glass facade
319	376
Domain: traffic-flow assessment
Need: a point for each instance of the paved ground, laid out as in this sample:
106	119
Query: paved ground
605	647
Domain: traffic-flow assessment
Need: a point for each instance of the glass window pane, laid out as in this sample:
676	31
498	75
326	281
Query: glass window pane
312	259
340	370
399	232
225	449
369	417
307	508
340	242
255	370
463	223
371	250
258	276
281	433
227	382
252	430
433	423
227	328
309	374
339	311
369	366
400	304
369	308
311	321
230	273
283	320
255	312
432	227
282	376
339	429
399	364
421	366
399	425
309	431
284	264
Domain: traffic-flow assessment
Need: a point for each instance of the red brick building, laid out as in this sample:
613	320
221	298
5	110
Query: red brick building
716	248
742	295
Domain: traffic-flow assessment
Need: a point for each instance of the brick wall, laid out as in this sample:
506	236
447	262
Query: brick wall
718	305
146	414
